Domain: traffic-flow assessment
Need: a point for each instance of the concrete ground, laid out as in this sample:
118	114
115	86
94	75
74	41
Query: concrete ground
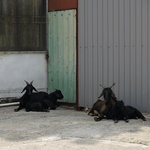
66	129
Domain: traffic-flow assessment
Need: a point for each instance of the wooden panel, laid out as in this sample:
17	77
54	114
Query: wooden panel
54	5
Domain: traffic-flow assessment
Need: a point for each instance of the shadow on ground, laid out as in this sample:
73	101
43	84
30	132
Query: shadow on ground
64	124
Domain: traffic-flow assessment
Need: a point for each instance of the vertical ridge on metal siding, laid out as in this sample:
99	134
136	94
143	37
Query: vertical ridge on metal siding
138	53
148	56
119	33
110	38
133	53
122	50
144	54
90	48
86	51
99	57
127	50
81	66
116	45
95	49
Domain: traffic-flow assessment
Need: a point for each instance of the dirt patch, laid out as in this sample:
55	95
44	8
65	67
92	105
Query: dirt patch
67	129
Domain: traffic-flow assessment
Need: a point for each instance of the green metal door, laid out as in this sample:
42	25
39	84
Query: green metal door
62	53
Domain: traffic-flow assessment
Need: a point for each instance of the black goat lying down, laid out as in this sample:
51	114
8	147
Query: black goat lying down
101	107
118	112
42	101
111	108
115	111
121	112
133	113
24	99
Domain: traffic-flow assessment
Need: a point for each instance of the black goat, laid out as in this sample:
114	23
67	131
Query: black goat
121	112
35	101
133	113
24	99
101	107
42	101
117	112
51	100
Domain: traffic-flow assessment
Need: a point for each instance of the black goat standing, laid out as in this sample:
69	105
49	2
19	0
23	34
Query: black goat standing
43	101
24	99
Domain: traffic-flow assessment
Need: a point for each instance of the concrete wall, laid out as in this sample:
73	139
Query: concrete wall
16	67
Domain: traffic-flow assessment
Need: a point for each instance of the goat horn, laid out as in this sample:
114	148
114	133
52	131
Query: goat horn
112	85
31	82
102	86
26	82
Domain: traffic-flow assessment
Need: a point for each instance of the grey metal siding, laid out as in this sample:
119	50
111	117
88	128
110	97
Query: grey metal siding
114	47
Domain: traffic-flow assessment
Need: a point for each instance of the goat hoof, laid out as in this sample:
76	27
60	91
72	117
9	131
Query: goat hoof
126	121
90	114
16	110
144	119
47	110
115	121
97	119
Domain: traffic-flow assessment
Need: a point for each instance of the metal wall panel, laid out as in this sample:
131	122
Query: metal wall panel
113	46
62	53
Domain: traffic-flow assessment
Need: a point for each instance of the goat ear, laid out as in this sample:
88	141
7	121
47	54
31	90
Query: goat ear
100	95
23	90
35	89
31	82
26	82
113	95
112	85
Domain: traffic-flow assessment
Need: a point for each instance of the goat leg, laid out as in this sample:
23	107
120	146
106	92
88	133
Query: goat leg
99	118
19	108
139	115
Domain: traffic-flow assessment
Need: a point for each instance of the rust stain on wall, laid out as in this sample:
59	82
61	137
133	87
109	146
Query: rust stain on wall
61	5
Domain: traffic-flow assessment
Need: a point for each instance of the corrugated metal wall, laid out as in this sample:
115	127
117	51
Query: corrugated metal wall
114	43
62	53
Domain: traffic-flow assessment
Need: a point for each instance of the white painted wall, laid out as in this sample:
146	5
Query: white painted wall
15	68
